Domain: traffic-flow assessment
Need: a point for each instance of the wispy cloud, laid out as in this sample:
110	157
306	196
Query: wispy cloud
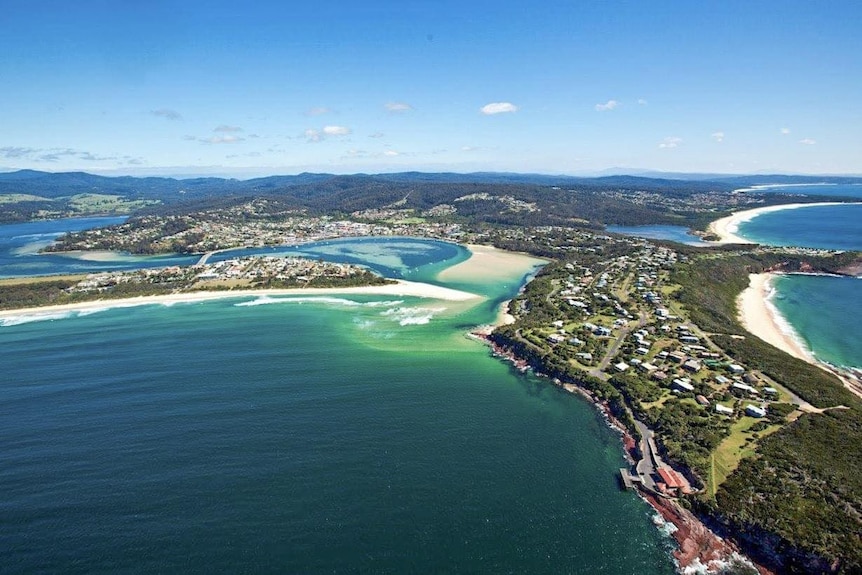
670	142
221	140
397	107
52	155
354	154
226	128
336	130
642	102
498	108
167	114
376	135
607	106
717	136
785	131
315	135
14	152
807	141
318	111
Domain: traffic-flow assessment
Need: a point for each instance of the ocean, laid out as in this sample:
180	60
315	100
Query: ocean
304	435
822	311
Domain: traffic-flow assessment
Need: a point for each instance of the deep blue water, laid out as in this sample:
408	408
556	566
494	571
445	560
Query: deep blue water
836	227
829	190
303	435
680	234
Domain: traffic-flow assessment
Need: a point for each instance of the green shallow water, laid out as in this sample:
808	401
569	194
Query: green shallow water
324	435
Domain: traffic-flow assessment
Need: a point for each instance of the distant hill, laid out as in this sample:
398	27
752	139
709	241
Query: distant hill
30	194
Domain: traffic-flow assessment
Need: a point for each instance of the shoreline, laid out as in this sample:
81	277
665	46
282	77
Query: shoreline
400	288
727	228
759	316
699	549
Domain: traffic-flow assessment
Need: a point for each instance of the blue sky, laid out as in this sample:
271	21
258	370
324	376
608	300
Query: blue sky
566	87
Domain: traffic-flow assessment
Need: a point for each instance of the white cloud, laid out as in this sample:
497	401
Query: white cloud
670	142
167	114
336	130
226	128
498	108
469	148
391	153
398	107
718	136
317	111
785	131
807	141
376	135
222	140
642	102
314	135
609	105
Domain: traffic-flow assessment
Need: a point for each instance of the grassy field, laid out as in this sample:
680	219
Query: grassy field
41	279
105	203
15	198
738	445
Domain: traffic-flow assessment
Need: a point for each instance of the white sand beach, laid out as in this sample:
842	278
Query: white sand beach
758	316
400	288
728	227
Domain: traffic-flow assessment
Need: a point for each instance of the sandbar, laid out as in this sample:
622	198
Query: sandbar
727	228
399	288
488	262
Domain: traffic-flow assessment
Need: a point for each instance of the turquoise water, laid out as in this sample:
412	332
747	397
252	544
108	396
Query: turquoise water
823	311
303	435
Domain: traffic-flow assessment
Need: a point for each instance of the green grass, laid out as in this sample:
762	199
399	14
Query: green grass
103	203
15	198
735	447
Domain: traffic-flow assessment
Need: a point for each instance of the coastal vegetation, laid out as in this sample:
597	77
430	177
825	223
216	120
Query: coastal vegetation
234	274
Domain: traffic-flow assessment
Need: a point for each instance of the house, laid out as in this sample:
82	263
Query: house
721	380
770	391
642	351
647	367
692	365
735	369
701	400
621	366
723	409
586	356
659	375
743	388
556	338
688	339
754	411
677	356
682	385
